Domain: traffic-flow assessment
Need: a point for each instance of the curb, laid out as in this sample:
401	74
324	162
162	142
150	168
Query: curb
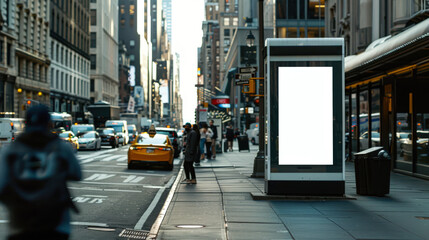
155	227
263	196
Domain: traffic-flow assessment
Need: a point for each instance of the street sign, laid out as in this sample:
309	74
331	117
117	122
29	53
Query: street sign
248	69
243	78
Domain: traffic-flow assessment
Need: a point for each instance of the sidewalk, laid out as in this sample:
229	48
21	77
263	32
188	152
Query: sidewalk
222	203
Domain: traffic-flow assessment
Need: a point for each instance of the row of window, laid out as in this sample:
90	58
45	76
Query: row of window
71	32
300	9
69	58
31	32
32	70
74	11
5	56
64	82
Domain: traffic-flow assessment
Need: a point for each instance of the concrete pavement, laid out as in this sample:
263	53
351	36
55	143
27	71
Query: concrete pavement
220	206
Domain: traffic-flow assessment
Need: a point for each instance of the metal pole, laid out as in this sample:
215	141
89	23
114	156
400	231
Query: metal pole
259	162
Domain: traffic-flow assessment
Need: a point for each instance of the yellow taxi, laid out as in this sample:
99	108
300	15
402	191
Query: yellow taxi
69	136
151	149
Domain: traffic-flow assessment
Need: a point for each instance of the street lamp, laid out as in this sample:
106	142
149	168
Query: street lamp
250	40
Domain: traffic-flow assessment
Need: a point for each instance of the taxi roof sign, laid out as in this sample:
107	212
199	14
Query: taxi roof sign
152	131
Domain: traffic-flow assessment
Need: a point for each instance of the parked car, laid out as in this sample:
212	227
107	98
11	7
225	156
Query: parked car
69	137
406	147
108	137
89	140
132	132
151	149
375	139
10	128
81	128
174	138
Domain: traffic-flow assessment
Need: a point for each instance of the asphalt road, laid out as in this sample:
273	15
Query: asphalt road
112	198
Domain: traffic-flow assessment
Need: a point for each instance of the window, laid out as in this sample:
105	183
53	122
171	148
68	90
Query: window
226	33
92	85
235	21
93	1
122	21
226	21
122	9
57	80
93	58
93	17
132	9
62	81
132	57
131	21
132	43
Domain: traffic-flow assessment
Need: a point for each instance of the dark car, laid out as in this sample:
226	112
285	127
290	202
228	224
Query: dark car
108	137
174	138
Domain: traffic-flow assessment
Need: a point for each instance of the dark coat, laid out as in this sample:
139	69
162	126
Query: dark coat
192	146
214	130
229	134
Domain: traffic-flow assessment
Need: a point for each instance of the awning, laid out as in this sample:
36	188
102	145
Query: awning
407	47
226	87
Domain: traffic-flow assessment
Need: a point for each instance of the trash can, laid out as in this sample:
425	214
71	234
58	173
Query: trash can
243	143
372	172
218	147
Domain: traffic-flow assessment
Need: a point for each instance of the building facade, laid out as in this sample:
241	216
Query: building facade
300	18
386	76
104	83
129	36
31	54
69	54
8	69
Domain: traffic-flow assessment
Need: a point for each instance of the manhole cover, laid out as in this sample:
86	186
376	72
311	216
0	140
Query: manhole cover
134	234
423	218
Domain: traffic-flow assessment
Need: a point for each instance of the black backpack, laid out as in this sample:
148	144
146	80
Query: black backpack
36	193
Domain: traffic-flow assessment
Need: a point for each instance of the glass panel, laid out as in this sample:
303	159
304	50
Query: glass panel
404	145
422	119
281	9
316	9
347	125
375	116
281	32
355	136
292	9
363	118
291	33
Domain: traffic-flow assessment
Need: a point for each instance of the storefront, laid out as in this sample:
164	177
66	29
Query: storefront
387	94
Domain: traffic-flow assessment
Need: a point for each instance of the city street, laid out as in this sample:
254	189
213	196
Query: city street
112	198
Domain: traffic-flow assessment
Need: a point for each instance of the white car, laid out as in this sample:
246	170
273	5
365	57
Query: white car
253	136
89	140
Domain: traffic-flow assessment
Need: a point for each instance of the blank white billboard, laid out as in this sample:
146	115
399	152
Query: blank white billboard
305	116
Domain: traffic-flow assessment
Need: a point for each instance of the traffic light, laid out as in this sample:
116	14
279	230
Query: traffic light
256	101
29	103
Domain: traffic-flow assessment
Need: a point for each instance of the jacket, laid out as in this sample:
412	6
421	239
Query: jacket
36	141
214	130
192	147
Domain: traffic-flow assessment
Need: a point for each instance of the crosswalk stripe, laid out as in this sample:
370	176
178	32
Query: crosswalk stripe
122	159
109	158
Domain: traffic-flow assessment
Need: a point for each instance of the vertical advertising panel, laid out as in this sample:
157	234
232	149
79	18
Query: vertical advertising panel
300	112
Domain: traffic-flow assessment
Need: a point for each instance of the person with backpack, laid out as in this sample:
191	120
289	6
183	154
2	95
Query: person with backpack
34	171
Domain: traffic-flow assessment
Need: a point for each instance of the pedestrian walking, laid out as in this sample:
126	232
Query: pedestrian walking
34	171
203	134
209	135
192	154
230	136
214	138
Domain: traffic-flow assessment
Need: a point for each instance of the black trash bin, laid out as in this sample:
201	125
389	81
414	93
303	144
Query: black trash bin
372	172
243	143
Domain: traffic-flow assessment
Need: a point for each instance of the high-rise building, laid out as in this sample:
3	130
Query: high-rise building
31	53
167	9
8	68
104	51
129	36
69	54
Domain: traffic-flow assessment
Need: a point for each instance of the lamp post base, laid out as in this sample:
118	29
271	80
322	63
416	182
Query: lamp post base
259	166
